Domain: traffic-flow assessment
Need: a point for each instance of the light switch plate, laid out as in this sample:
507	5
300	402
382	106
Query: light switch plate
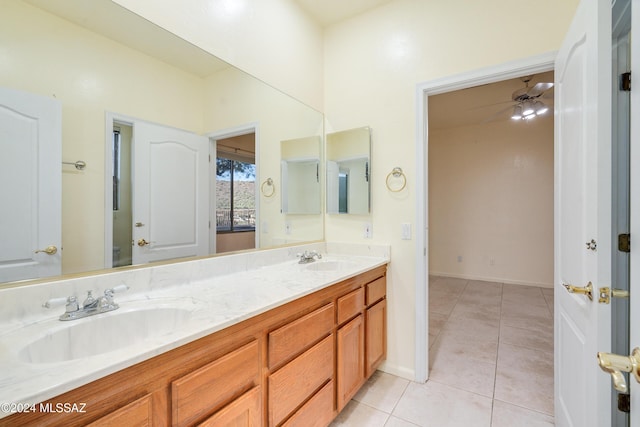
368	231
406	231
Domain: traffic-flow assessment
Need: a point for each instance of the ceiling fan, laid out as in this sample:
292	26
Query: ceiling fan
528	103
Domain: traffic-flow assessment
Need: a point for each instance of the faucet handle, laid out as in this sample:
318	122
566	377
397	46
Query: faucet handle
120	288
89	300
70	302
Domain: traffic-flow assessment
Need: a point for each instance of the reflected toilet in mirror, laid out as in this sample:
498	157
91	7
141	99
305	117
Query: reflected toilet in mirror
349	171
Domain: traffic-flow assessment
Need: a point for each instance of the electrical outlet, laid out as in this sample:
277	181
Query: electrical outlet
287	227
368	231
265	227
492	261
459	258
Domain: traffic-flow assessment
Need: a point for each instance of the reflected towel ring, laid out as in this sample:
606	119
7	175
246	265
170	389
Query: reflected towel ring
80	165
268	183
397	173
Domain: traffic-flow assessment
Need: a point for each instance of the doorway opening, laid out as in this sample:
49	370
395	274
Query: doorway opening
235	193
122	194
528	66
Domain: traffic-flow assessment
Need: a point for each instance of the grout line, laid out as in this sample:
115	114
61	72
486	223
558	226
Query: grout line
495	374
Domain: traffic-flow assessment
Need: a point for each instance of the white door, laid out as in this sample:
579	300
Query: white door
30	189
170	193
634	263
583	216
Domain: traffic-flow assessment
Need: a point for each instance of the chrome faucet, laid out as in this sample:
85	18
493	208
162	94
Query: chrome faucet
308	256
90	306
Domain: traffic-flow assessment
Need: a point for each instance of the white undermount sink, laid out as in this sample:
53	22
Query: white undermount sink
330	265
103	333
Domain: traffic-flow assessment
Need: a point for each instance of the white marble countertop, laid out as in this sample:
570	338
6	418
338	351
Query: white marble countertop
205	306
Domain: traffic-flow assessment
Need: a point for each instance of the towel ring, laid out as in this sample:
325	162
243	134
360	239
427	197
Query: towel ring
268	183
396	173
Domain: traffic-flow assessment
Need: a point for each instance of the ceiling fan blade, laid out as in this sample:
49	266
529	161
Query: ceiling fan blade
487	105
539	89
496	115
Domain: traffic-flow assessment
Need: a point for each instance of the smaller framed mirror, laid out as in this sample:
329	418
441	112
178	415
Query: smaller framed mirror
300	175
349	171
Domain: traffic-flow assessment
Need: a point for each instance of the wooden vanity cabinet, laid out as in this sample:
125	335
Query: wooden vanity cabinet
294	365
137	413
375	325
209	388
350	369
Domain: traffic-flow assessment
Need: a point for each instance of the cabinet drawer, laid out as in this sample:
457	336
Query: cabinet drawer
298	379
350	305
295	337
214	385
242	412
376	290
137	413
317	412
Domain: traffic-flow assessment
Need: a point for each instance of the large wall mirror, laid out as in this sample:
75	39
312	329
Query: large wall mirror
109	69
349	171
301	176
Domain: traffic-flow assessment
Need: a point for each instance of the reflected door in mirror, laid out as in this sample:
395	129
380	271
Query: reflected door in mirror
30	193
170	193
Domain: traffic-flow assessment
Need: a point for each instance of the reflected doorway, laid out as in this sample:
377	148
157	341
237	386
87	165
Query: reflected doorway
235	196
122	209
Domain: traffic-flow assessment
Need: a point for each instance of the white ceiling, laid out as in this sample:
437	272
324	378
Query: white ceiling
482	104
327	12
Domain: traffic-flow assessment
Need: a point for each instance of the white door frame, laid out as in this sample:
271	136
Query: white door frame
509	70
214	137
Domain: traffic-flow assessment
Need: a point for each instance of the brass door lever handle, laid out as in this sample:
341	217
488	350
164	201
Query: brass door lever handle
143	242
584	290
614	364
49	250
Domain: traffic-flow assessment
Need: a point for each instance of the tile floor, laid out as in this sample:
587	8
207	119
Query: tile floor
491	363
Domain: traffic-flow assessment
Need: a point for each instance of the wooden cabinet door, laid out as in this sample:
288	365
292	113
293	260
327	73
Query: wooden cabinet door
245	411
350	369
138	413
376	336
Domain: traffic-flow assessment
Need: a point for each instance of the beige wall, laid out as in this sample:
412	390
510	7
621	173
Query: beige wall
491	201
367	75
229	242
273	40
372	65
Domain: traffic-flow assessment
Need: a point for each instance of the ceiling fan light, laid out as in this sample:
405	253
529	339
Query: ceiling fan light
540	107
517	112
527	108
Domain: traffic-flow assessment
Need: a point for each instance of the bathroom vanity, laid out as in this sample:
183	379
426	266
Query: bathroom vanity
296	364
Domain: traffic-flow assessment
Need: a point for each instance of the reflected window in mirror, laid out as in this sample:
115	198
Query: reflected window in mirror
117	146
235	185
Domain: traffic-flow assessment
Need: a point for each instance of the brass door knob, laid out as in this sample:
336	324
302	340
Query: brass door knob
49	250
584	290
614	365
142	242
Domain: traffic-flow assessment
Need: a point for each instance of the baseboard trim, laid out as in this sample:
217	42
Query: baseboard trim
398	371
490	279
